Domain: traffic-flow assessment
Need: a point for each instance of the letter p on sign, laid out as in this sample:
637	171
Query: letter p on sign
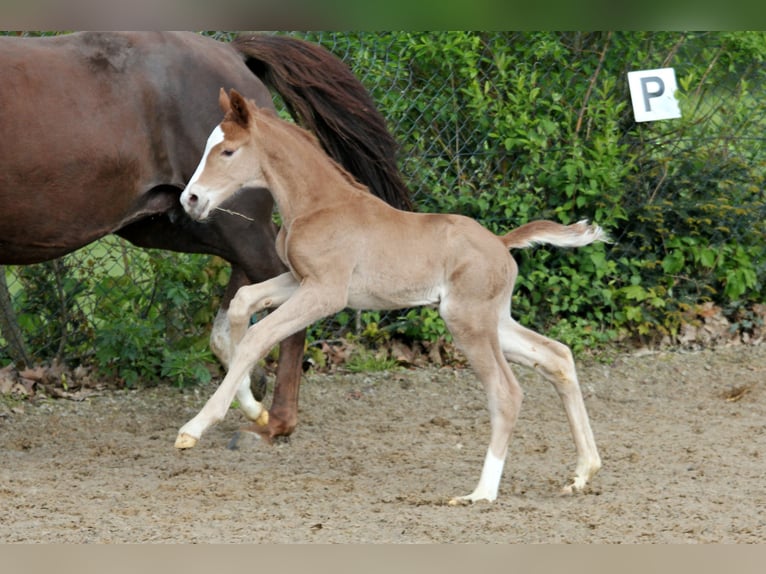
653	94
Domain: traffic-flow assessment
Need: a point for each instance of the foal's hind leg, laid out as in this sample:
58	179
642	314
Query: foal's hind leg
474	334
554	361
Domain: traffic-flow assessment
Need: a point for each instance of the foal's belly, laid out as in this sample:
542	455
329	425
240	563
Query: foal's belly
375	298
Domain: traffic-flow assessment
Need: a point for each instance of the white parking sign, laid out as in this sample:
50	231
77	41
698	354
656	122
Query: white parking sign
653	94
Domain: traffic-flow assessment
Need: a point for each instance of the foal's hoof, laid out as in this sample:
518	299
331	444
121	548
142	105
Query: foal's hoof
470	499
576	486
263	419
185	441
460	501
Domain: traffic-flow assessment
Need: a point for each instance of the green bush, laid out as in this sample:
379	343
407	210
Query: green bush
508	127
160	327
136	315
505	128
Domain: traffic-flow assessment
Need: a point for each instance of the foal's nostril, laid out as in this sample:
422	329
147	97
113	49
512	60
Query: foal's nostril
193	198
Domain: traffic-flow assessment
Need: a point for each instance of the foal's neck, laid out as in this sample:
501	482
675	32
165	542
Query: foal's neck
300	175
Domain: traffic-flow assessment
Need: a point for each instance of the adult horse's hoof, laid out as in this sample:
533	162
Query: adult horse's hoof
185	441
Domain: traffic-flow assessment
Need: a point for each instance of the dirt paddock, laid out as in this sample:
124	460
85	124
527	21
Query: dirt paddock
377	456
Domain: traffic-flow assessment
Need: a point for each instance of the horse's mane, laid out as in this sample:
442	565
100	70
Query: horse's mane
334	106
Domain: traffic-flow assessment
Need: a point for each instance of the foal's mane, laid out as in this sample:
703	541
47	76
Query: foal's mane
274	121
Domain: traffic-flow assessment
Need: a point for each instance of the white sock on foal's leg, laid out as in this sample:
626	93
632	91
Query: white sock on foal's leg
489	483
220	343
253	409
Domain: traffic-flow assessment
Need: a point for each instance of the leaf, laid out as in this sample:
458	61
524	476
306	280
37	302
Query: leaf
634	292
673	262
708	257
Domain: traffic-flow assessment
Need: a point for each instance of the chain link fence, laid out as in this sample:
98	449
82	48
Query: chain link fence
505	127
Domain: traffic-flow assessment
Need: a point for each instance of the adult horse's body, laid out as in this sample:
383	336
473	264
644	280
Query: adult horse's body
101	131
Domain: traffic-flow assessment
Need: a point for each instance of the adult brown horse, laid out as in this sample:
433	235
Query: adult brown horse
101	131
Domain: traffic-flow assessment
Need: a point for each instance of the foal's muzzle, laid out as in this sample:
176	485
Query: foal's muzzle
193	204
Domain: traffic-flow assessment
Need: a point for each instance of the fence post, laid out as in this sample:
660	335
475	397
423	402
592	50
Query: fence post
9	327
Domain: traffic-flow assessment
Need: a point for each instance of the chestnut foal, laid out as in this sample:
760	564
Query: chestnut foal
347	248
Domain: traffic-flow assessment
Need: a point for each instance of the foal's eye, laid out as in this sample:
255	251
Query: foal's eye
227	153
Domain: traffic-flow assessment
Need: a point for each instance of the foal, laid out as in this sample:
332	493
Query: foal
347	248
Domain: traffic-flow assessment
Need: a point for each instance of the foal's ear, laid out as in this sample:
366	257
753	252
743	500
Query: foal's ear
239	110
223	101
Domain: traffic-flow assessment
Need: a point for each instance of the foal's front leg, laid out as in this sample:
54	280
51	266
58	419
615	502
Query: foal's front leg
251	299
307	305
291	353
220	343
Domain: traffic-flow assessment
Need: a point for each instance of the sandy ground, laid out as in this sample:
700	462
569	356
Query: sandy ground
377	456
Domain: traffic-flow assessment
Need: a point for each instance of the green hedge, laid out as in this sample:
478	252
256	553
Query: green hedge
506	128
509	127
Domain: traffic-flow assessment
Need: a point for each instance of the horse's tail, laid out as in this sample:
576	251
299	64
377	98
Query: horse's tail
322	95
574	235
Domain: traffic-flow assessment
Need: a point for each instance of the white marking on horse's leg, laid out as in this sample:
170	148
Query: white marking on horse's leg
489	482
303	308
554	361
253	409
220	343
504	394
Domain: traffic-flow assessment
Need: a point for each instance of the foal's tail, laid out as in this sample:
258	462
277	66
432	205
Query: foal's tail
543	231
324	97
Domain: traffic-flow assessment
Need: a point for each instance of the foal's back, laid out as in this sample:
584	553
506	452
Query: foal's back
401	259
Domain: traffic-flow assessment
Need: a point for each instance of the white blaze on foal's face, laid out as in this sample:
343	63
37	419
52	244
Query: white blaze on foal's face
218	175
195	197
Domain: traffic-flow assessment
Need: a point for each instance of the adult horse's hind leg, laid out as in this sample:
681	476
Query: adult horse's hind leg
554	361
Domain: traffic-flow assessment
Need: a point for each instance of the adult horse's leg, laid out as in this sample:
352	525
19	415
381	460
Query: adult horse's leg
283	413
